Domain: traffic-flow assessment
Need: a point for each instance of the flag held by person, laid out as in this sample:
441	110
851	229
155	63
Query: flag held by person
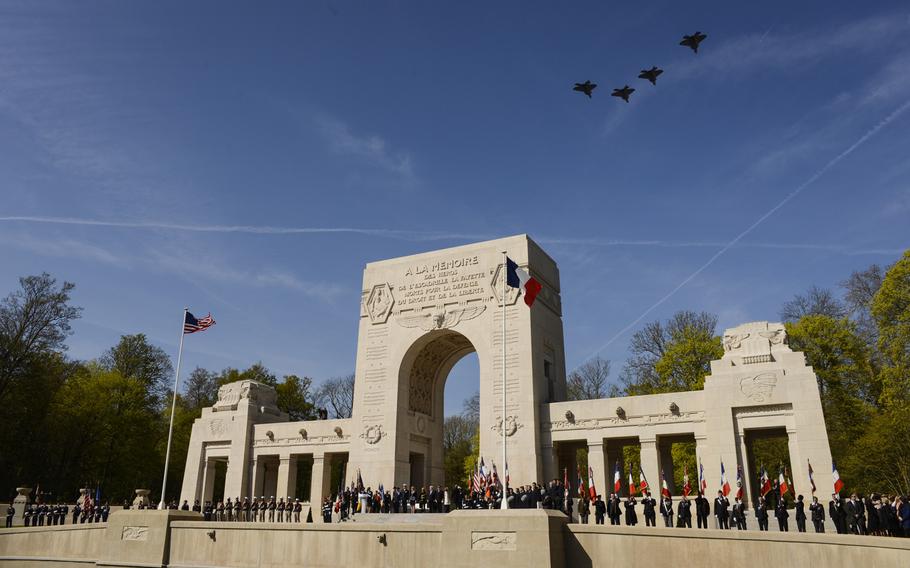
664	488
616	476
838	482
642	481
765	481
582	490
632	488
739	482
592	492
782	481
519	278
811	478
702	482
687	488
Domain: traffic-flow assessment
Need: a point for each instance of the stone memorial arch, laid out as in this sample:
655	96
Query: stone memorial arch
420	314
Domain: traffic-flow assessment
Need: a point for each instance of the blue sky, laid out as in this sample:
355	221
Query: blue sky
427	124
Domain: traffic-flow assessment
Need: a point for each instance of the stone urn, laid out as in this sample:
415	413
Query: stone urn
142	498
19	504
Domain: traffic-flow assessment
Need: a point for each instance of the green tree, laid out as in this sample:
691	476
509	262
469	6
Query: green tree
294	397
201	389
891	311
135	357
34	321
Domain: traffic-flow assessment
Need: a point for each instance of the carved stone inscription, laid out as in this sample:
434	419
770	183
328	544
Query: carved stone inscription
448	280
134	533
493	541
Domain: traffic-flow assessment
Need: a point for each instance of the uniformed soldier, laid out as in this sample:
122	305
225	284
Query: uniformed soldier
27	514
228	510
280	509
326	511
105	511
10	513
239	515
684	513
207	511
64	514
761	514
76	512
782	515
186	505
247	510
817	510
739	514
298	508
721	511
666	510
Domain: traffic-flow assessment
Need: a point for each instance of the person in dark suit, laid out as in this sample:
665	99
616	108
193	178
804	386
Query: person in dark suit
800	514
761	514
614	509
631	515
739	514
722	511
859	507
851	514
782	515
817	510
837	513
650	510
702	510
684	513
600	510
10	513
666	511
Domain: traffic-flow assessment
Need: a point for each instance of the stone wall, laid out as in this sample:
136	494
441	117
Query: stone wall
517	538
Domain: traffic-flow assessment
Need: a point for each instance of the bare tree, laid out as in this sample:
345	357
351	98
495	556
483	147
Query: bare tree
201	388
34	320
815	302
859	289
456	430
337	395
589	381
470	409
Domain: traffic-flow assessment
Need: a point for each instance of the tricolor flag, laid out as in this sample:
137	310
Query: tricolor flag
765	481
664	489
811	479
581	484
686	487
838	484
565	481
642	482
518	278
616	484
192	325
632	489
702	482
782	481
739	482
724	484
495	477
592	492
484	474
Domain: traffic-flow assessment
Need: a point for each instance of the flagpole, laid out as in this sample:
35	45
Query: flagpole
170	431
505	479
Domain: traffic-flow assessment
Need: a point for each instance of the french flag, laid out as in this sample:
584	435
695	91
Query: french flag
642	482
724	484
838	483
519	278
616	478
664	490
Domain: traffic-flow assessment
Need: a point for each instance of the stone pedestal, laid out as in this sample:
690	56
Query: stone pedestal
19	504
142	498
140	538
518	537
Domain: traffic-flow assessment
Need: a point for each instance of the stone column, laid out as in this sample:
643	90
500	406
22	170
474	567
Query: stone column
318	485
666	466
799	474
650	463
747	474
287	477
258	475
208	482
597	462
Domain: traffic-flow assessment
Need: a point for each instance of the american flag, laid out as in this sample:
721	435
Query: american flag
192	325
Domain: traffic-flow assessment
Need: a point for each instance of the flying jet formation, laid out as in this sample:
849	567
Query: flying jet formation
692	41
650	74
587	88
623	93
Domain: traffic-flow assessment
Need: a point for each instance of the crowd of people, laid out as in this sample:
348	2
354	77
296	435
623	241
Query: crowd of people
880	515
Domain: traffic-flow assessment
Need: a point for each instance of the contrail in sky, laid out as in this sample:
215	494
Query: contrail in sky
833	162
426	235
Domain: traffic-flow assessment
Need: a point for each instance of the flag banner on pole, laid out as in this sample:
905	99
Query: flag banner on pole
642	482
592	492
782	481
702	482
632	488
565	481
476	480
686	487
519	278
765	481
739	482
724	484
616	483
360	485
811	478
495	476
191	324
664	489
581	484
838	483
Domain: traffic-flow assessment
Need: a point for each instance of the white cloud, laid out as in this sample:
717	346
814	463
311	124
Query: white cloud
63	248
371	148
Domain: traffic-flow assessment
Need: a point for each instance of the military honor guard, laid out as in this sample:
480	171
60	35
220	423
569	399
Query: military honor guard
10	513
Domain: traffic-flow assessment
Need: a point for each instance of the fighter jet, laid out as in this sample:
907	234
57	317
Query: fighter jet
650	74
624	93
587	88
692	41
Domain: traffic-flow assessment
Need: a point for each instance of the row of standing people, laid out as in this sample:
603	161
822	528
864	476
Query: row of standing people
47	514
